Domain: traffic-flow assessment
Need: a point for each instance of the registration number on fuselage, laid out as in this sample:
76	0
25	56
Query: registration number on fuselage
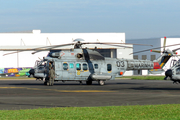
120	63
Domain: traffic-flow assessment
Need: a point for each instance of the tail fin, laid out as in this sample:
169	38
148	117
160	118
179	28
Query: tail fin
161	62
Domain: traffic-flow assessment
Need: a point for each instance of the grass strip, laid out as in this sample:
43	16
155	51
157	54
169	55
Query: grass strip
144	77
137	112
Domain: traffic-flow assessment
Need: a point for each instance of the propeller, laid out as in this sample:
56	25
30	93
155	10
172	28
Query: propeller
51	47
81	43
77	44
158	51
164	47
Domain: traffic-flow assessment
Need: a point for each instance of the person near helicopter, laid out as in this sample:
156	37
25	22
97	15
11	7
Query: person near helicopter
51	76
50	66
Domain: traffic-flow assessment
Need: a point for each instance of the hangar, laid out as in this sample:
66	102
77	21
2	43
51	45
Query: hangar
35	39
156	42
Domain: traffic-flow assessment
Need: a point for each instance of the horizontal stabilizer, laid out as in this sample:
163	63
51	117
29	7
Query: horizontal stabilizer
156	71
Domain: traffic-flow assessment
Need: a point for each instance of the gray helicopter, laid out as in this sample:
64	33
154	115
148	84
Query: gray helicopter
173	73
83	64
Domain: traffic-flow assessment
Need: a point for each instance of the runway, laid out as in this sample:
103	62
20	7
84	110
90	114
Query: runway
30	94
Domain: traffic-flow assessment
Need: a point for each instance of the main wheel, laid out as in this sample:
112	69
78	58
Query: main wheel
48	84
52	83
45	83
80	82
89	82
101	82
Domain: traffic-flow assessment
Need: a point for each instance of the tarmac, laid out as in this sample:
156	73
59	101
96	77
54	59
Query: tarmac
32	94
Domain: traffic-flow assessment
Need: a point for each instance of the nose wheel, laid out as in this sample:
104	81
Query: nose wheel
176	82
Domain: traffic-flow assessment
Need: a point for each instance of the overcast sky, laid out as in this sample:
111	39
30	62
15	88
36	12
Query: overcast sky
137	18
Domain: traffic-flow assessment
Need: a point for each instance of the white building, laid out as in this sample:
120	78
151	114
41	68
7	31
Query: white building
37	39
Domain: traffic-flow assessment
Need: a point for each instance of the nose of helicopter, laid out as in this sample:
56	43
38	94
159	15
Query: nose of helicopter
31	72
168	73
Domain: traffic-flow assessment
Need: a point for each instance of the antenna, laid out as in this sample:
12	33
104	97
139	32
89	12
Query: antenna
47	40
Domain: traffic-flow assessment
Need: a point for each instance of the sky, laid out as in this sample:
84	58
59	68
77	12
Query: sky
136	18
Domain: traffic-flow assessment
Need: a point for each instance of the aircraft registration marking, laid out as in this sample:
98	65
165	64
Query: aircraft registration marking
120	63
56	89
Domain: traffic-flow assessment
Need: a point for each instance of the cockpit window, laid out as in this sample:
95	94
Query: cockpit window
65	66
78	66
178	71
109	67
96	66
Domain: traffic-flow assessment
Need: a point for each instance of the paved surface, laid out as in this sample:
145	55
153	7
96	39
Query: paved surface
30	94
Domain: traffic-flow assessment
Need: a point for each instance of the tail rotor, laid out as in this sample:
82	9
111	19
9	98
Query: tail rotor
164	47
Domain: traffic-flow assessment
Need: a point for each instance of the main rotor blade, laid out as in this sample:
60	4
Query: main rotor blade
81	43
33	49
153	48
119	46
21	50
158	51
55	46
51	47
11	53
114	43
175	49
164	45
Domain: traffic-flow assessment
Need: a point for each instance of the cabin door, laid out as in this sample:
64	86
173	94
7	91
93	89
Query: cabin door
58	71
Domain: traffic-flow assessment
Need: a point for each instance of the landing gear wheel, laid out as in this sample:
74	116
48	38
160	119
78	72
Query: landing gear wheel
89	82
31	76
175	82
48	84
101	82
45	83
80	82
52	83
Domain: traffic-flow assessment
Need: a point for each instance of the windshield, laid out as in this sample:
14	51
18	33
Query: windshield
40	63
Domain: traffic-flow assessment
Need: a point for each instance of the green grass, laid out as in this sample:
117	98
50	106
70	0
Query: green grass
147	112
145	77
18	78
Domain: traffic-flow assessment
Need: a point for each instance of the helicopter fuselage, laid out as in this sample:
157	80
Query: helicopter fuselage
89	65
174	73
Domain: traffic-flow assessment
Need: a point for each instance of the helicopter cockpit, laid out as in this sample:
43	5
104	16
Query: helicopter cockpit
40	66
174	71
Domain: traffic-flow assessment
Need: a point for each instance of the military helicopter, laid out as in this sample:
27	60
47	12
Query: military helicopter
173	73
83	64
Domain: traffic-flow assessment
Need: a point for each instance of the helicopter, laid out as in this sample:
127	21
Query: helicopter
87	65
172	73
39	70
